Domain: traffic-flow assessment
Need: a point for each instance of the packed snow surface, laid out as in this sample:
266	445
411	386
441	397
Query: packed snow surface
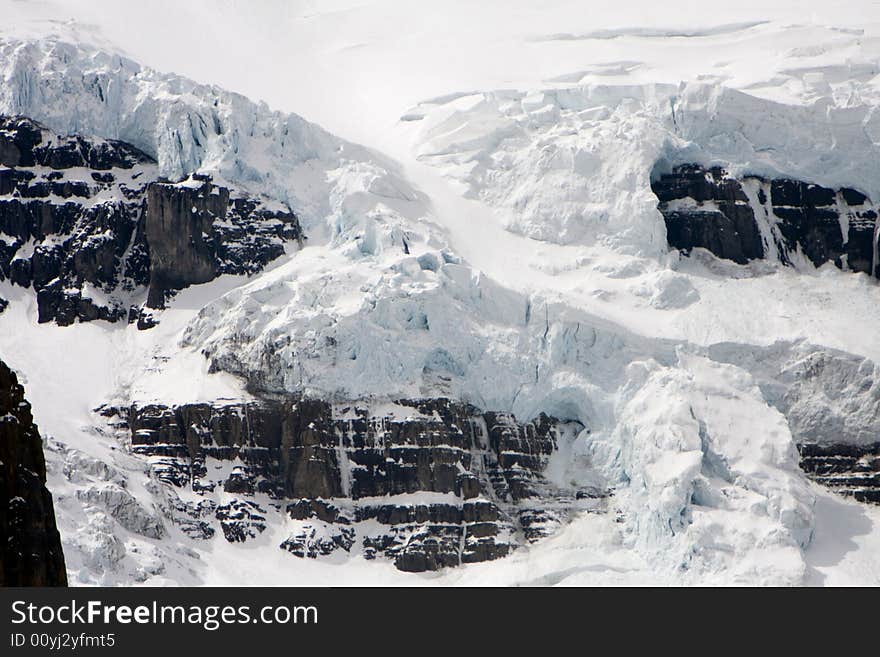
496	239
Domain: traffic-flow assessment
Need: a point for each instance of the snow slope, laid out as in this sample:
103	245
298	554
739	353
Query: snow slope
189	127
512	255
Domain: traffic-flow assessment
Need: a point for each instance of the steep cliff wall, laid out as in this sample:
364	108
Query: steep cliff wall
30	554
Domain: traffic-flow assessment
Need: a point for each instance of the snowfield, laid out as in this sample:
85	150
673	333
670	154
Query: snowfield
494	239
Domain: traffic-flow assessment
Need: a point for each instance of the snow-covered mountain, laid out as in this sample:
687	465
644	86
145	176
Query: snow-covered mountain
598	307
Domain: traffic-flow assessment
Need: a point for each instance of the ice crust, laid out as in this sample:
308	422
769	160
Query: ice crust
574	165
190	127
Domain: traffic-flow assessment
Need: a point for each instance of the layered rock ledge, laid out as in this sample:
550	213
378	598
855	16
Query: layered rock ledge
850	470
89	225
427	483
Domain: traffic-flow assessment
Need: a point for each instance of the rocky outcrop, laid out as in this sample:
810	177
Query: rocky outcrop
197	231
30	554
88	224
753	218
427	483
851	470
26	143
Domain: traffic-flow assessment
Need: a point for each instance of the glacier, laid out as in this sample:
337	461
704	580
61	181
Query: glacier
516	260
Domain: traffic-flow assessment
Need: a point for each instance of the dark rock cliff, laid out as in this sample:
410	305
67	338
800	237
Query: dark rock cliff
752	218
31	551
429	483
196	231
88	224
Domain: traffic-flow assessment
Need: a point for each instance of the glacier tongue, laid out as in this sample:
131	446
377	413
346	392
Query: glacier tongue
712	485
554	162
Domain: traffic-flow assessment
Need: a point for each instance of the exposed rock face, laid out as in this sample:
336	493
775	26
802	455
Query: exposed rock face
197	231
89	226
69	210
752	218
428	483
850	470
178	229
26	143
30	554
